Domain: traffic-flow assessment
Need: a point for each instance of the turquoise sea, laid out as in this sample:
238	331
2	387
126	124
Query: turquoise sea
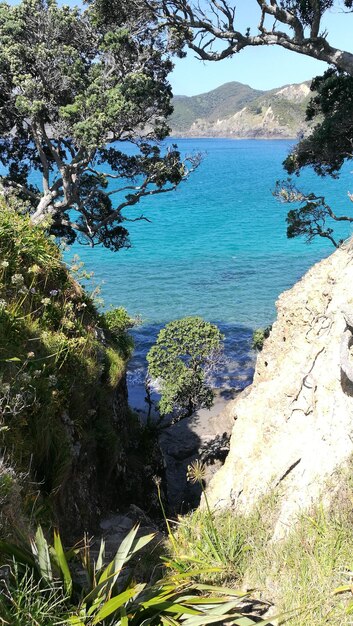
216	247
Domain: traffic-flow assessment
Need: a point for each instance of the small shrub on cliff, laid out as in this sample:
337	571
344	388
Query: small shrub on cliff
259	336
184	352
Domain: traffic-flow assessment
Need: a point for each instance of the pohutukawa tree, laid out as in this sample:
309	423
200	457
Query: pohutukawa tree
185	351
83	101
210	29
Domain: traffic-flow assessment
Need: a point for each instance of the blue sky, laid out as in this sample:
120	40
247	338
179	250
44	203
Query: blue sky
261	68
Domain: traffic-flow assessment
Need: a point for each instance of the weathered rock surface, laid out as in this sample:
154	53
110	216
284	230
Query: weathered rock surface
294	425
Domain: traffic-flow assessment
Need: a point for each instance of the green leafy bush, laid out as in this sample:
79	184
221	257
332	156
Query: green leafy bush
259	336
185	349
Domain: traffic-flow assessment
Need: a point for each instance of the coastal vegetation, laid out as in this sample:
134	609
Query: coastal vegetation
43	584
62	371
304	578
329	145
73	82
185	351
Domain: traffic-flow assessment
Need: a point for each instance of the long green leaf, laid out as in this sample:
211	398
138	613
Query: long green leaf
196	572
121	557
99	563
129	546
229	591
113	605
62	562
74	620
124	618
41	554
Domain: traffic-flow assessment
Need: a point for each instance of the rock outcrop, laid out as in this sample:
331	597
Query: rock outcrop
294	425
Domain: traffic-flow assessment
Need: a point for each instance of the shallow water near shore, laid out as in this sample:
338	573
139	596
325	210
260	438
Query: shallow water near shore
216	247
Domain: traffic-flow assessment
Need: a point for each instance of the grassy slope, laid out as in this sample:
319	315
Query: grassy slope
58	381
297	576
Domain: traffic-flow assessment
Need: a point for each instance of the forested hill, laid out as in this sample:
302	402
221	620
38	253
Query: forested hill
237	110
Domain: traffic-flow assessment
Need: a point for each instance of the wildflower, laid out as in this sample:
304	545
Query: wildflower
34	269
45	301
81	305
66	323
33	290
23	289
17	280
30	355
25	378
196	472
4	389
3	305
53	381
53	293
5	264
37	373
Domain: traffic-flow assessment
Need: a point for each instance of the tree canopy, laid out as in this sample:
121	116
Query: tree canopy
210	30
183	352
84	97
325	150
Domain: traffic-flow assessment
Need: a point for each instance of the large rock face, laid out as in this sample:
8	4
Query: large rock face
294	425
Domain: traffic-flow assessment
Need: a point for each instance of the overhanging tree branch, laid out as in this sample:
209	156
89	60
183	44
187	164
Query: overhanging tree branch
219	21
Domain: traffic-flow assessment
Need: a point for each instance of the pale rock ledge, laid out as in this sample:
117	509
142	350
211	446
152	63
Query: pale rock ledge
294	425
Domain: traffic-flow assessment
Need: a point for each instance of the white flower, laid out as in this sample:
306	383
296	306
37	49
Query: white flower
45	301
17	279
5	264
53	381
2	305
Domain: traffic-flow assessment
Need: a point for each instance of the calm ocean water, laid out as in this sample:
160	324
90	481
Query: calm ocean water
216	247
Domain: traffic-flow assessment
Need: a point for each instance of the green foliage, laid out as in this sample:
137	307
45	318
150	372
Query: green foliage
216	104
179	359
118	322
325	150
52	361
306	575
327	147
259	336
109	591
74	81
306	9
24	602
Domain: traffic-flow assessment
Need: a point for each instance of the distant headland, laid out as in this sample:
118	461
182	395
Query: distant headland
237	111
